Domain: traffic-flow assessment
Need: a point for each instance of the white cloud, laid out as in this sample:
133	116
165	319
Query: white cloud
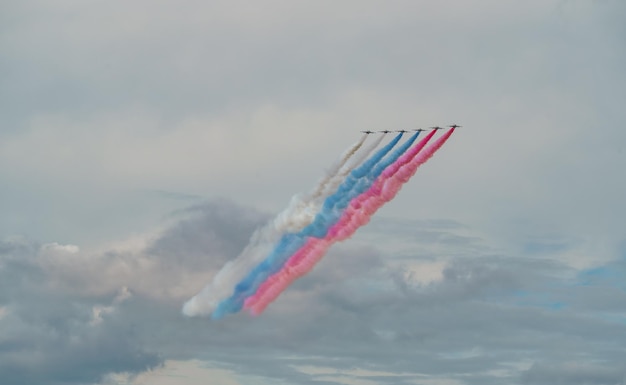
56	249
98	311
437	381
176	372
424	273
347	380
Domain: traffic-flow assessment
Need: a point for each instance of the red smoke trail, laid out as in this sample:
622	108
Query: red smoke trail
358	213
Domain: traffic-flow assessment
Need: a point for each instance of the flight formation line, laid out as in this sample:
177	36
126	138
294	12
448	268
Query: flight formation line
290	246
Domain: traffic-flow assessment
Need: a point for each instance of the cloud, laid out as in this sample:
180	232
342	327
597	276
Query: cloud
358	314
573	373
64	312
51	248
48	336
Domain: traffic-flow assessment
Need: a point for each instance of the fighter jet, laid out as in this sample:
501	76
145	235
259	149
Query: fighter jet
385	131
367	132
455	126
419	129
437	128
402	131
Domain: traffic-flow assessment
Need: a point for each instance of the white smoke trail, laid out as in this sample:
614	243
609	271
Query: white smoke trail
302	209
300	212
336	180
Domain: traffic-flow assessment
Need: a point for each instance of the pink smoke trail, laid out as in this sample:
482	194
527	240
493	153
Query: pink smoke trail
363	207
358	213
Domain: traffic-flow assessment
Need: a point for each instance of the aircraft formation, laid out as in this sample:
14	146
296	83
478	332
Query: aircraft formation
368	175
434	128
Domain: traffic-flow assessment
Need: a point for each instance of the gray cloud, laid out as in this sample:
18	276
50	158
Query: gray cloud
49	337
573	373
485	319
213	234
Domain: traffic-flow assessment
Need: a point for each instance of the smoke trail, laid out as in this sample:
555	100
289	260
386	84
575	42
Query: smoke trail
389	167
333	171
296	216
358	214
302	210
336	203
334	183
290	242
384	190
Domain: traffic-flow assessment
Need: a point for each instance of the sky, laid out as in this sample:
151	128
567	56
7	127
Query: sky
142	143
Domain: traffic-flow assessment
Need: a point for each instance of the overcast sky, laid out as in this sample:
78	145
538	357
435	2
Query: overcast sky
142	142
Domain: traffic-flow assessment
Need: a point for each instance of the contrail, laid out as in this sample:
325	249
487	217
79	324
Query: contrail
296	216
291	242
358	214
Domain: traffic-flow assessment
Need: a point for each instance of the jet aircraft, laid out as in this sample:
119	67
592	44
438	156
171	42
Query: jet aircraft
437	128
455	126
385	131
402	131
367	132
419	129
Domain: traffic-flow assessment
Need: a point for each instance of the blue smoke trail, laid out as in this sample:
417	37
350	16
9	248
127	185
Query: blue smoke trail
356	182
333	208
